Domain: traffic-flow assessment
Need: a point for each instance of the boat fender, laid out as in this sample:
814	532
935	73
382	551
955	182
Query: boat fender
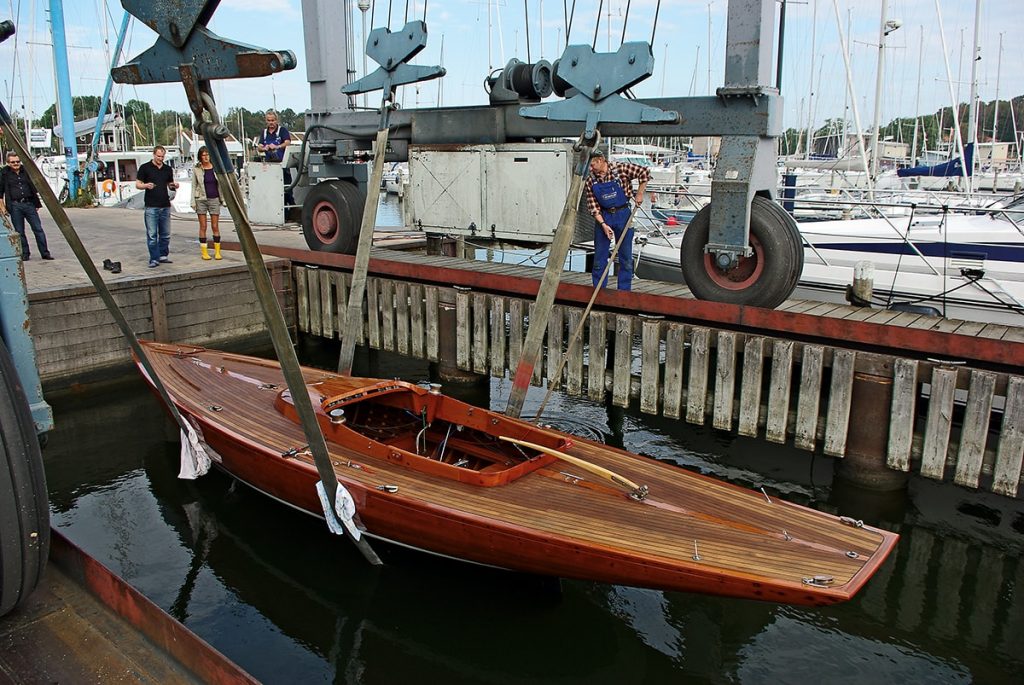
340	517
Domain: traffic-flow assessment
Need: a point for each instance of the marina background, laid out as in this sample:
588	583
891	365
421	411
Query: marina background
466	36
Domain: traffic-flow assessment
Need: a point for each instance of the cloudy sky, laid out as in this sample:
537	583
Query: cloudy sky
477	35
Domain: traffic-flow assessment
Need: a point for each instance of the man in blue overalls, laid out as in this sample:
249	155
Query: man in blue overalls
608	192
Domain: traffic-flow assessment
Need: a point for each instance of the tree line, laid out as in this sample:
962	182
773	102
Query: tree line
902	128
148	127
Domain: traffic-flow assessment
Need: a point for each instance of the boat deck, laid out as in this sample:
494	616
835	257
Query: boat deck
85	625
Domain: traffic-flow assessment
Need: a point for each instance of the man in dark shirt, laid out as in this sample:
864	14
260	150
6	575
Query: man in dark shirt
156	178
19	198
272	143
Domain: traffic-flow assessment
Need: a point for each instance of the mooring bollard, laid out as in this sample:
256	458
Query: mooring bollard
859	294
868	436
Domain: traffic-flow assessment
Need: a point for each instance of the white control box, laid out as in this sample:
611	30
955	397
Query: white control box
512	191
266	193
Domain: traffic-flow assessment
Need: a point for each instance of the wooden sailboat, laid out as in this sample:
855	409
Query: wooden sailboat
430	472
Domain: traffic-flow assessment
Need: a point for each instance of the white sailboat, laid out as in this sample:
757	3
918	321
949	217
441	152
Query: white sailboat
961	266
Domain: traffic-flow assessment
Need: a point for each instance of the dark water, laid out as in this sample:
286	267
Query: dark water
274	591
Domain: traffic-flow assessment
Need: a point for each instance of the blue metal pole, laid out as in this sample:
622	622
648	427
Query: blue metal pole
60	63
106	91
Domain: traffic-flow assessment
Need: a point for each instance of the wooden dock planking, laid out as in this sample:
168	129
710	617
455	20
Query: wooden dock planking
386	295
939	423
463	329
430	318
556	337
598	336
302	297
481	318
778	393
901	418
498	335
809	397
696	392
326	304
402	318
974	432
371	293
417	336
1007	475
515	331
725	380
750	387
622	370
574	358
650	366
675	351
315	308
840	397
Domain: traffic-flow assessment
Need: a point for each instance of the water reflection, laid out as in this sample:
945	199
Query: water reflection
274	591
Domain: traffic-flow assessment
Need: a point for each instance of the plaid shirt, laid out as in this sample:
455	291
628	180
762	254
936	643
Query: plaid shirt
624	173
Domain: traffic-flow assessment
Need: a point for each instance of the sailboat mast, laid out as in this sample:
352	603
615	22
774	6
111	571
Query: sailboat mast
995	115
949	82
917	100
882	32
849	86
810	99
972	113
31	82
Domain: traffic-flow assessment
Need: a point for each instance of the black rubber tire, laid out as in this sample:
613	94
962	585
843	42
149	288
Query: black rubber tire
331	216
24	508
766	278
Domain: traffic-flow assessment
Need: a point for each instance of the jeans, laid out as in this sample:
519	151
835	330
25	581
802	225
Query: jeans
20	211
158	232
289	198
602	250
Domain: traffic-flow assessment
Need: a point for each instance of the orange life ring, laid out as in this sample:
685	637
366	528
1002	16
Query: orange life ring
109	186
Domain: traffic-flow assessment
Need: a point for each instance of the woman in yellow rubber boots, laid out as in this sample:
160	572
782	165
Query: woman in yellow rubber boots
206	200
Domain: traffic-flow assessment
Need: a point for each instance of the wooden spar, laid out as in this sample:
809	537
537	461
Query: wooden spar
354	312
278	329
548	287
638	491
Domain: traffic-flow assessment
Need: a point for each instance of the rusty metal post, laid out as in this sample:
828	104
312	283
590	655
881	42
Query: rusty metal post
868	436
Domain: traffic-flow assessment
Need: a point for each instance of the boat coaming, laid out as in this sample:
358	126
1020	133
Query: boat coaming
692	533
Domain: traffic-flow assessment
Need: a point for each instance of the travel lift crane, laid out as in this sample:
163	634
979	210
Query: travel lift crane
742	248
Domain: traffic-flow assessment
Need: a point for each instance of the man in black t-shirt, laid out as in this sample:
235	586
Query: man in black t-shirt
156	178
19	197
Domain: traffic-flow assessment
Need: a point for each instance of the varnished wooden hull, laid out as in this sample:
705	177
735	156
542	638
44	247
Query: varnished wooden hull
542	522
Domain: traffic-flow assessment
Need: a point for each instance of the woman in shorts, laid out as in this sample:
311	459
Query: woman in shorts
206	200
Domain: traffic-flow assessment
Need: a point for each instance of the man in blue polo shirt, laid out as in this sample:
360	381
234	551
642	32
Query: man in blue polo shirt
272	143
